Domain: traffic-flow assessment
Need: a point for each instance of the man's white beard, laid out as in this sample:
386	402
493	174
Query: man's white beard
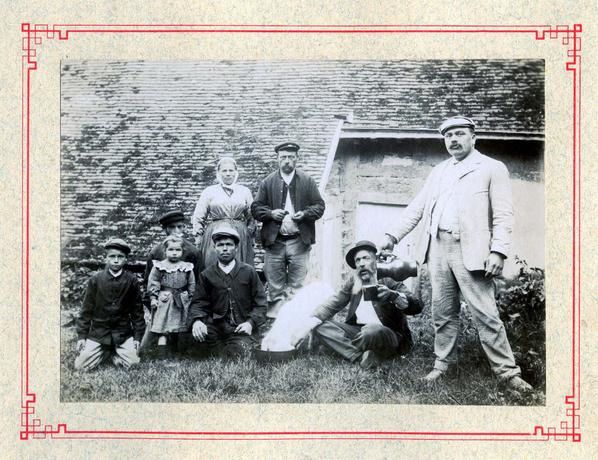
358	282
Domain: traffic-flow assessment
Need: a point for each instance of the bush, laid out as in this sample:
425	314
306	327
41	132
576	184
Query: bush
522	307
74	282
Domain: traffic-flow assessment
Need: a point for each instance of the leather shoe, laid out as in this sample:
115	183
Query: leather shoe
519	385
434	376
369	360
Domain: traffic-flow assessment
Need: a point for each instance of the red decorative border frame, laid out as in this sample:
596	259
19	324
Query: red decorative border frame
32	39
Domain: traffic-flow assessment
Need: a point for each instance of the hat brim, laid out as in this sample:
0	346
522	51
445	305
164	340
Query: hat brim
350	256
287	146
457	126
118	247
219	236
172	220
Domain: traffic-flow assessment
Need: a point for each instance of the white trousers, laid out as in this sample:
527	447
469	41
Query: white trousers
94	353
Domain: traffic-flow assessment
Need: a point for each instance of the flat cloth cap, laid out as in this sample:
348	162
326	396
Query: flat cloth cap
363	244
171	217
225	230
456	122
117	243
290	146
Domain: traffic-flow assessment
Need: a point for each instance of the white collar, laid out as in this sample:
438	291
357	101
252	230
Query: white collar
287	177
470	156
227	268
115	274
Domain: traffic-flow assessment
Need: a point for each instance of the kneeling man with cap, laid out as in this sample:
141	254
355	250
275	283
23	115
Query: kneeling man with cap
229	303
376	323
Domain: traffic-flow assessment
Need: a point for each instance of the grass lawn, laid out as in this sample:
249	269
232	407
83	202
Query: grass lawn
318	377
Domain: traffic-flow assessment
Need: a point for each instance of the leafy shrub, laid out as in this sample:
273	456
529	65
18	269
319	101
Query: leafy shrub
74	282
522	307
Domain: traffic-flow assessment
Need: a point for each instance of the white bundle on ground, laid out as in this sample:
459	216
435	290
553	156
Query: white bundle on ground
293	318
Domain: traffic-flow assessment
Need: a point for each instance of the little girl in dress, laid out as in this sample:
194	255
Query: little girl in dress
171	284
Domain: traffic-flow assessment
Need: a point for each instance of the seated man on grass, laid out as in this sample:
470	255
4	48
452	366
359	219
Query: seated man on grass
229	303
111	322
376	324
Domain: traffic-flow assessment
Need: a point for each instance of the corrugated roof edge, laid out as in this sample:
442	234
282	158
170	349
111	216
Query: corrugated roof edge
400	133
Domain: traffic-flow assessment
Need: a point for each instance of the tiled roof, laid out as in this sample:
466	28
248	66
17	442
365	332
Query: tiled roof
142	137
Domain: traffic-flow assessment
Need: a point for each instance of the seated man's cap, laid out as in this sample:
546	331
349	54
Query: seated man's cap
171	217
363	244
225	230
291	146
117	243
456	122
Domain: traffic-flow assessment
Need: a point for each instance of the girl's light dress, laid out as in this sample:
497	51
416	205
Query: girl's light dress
173	286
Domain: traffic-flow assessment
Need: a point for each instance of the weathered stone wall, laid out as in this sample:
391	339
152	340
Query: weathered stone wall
138	138
395	170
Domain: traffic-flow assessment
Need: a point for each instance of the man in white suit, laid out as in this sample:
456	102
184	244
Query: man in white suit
466	212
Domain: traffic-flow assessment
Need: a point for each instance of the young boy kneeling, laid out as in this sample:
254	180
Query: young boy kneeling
111	322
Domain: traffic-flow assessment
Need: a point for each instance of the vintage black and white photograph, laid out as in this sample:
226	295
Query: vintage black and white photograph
317	231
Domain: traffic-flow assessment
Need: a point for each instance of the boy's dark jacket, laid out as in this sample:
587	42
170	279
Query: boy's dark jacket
112	310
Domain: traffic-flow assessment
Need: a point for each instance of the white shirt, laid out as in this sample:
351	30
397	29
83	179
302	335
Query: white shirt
365	313
227	268
288	178
445	214
288	226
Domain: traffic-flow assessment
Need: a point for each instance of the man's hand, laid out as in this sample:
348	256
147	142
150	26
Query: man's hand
298	216
303	329
389	243
199	331
278	214
244	328
80	345
154	303
493	264
384	293
136	346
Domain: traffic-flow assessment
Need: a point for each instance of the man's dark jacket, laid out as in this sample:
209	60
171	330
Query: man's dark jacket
304	196
217	293
388	312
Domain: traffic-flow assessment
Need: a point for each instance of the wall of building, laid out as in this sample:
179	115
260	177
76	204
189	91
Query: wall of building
140	137
374	179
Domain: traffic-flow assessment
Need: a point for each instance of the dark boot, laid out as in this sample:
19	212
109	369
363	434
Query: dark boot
162	351
173	343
